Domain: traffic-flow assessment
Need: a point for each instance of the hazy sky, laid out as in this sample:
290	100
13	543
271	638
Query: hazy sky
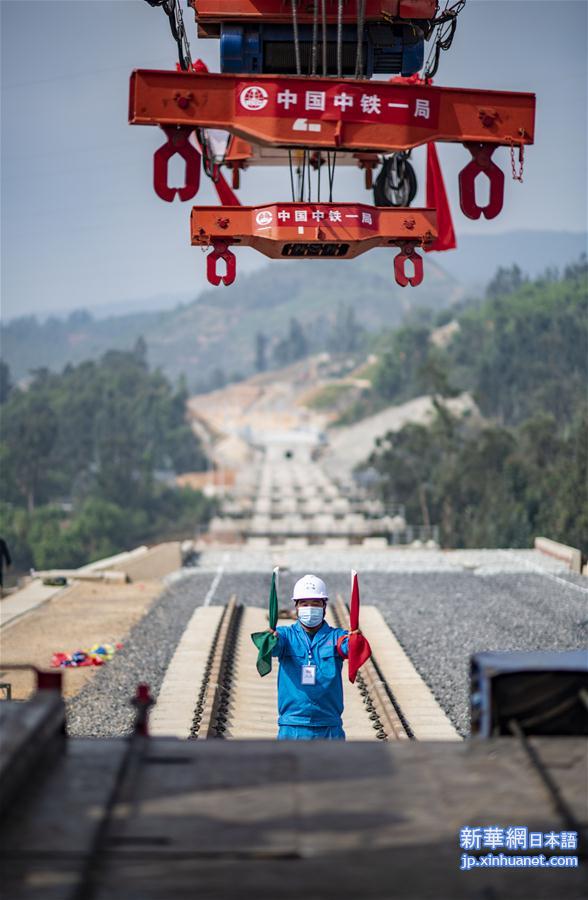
81	225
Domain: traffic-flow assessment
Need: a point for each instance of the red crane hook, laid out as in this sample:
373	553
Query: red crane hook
408	252
177	142
221	251
481	162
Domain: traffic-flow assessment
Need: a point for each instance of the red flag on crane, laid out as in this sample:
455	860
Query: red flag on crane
437	199
436	193
225	193
359	649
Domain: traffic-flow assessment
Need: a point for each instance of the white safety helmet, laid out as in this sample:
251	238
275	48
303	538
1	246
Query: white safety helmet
310	588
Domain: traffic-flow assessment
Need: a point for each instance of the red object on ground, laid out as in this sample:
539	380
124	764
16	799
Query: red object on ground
57	659
437	199
142	701
359	649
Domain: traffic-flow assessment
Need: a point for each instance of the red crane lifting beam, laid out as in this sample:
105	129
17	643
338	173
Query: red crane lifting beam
327	114
313	231
221	11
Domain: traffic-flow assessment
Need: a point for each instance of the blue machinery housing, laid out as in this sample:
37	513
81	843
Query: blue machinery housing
269	49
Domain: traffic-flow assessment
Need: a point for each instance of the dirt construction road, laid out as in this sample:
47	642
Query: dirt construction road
75	619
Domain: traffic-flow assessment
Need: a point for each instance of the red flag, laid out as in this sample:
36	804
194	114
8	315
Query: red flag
359	650
225	194
437	199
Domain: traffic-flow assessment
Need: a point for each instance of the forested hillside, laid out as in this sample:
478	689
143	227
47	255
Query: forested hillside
85	459
215	338
523	354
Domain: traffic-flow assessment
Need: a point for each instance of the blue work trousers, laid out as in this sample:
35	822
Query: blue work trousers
311	733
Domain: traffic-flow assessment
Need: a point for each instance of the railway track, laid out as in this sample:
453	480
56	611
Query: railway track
233	702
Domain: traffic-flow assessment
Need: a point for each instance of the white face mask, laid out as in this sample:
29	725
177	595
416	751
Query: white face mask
311	616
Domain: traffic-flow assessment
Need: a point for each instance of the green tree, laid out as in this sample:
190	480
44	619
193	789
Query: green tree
292	347
506	281
96	434
5	382
347	334
395	377
490	486
14	526
140	350
29	431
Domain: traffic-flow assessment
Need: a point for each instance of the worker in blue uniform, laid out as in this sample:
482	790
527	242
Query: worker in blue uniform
311	654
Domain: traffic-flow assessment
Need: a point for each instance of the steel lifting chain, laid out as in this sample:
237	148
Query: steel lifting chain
517	176
173	11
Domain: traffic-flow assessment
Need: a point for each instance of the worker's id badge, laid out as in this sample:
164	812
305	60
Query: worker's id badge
308	675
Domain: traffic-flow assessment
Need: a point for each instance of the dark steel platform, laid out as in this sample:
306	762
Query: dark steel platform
155	819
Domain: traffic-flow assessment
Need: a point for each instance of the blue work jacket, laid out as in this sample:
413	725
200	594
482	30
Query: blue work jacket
305	704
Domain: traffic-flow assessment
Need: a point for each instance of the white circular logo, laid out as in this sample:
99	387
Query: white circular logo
254	97
264	217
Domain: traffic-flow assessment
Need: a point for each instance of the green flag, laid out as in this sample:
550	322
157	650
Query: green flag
265	641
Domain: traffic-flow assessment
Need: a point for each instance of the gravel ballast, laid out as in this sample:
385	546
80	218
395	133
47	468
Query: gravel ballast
102	708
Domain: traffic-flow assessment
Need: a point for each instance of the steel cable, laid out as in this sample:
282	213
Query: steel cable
339	38
331	173
318	177
359	51
314	53
296	38
291	176
173	11
301	173
324	29
445	25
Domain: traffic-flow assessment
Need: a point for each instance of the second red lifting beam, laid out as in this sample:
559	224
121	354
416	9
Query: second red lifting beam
313	231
